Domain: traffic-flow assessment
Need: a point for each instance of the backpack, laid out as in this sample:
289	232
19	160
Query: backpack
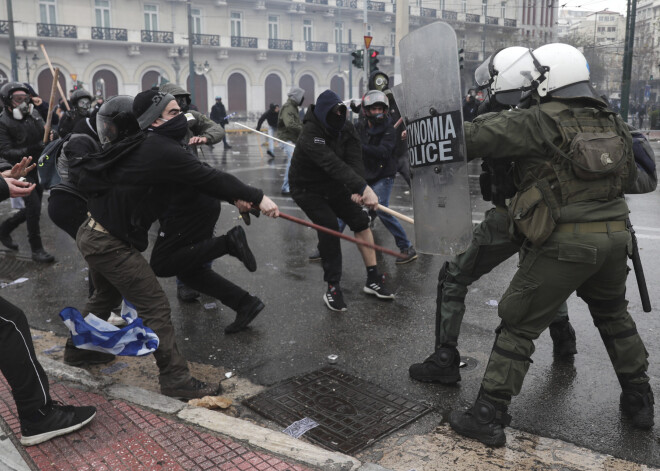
47	163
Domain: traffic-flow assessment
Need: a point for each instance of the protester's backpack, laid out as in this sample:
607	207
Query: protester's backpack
47	163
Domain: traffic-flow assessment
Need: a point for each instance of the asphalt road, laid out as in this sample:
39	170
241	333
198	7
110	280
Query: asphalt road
376	340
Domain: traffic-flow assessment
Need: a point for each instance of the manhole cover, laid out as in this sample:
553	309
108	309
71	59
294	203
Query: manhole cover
12	268
468	363
351	413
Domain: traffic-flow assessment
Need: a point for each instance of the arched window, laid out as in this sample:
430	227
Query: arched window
153	78
45	82
201	92
307	84
337	86
3	77
104	83
273	90
236	94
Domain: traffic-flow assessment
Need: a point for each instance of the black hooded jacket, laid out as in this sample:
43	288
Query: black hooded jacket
325	159
130	185
270	116
82	142
20	138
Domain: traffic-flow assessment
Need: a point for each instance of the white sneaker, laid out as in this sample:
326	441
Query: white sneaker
116	320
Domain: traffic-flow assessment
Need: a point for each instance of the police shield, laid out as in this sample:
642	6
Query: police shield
430	101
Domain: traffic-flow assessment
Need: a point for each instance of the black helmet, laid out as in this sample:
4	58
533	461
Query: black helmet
81	101
8	89
115	120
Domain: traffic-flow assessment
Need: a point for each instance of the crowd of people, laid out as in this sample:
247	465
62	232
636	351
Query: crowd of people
566	220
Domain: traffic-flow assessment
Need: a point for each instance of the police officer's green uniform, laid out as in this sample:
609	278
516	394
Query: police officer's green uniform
576	240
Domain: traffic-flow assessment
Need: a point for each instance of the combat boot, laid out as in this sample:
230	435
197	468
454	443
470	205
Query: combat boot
563	339
637	403
484	421
441	367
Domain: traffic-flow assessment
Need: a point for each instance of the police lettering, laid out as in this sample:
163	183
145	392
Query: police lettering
434	140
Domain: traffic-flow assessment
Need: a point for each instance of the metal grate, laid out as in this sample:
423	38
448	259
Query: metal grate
351	413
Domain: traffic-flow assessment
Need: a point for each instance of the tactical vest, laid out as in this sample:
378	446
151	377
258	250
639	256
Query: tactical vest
594	158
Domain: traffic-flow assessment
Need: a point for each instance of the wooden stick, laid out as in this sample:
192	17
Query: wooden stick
264	134
387	210
340	235
59	87
51	105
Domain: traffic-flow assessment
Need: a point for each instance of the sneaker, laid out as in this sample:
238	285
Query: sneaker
186	294
53	420
245	315
637	403
272	156
410	255
441	367
7	241
286	193
315	256
41	256
238	247
484	421
334	299
377	288
191	389
75	356
227	146
563	339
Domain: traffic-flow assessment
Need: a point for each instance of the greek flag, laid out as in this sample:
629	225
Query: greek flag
92	333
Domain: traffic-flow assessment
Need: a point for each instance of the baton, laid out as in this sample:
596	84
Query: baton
264	134
59	87
639	270
387	210
342	236
51	104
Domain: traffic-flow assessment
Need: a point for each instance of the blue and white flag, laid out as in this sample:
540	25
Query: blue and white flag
92	333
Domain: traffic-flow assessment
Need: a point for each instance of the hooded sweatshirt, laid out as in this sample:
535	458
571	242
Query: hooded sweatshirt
288	121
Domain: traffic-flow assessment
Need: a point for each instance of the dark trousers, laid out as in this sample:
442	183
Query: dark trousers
30	215
18	361
119	270
324	209
68	212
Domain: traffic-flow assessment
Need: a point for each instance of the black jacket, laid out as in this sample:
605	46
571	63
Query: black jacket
378	145
20	138
322	161
130	185
82	142
270	116
219	114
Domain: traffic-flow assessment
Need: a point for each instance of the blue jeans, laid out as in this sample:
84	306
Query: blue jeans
383	189
271	143
289	154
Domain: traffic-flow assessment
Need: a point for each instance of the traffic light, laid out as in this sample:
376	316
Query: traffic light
460	58
358	58
373	60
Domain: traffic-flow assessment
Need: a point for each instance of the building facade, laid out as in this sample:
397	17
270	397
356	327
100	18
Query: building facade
645	76
250	52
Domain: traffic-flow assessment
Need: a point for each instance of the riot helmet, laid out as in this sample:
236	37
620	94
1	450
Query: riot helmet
181	95
16	98
496	75
566	72
371	99
115	120
81	100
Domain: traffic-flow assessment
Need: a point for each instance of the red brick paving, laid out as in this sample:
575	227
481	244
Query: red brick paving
125	437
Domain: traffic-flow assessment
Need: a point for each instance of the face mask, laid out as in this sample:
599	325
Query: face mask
183	102
175	128
22	110
336	121
84	104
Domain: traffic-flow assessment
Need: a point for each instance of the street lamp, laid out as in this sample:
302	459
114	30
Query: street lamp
202	69
27	65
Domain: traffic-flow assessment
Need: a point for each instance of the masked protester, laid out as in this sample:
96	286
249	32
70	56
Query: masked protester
21	134
219	115
289	127
81	107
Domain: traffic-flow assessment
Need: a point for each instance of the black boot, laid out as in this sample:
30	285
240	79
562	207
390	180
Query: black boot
637	403
5	231
563	339
484	421
41	256
248	309
75	356
441	367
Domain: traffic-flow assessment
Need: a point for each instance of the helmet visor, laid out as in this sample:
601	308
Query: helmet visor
106	129
482	74
518	75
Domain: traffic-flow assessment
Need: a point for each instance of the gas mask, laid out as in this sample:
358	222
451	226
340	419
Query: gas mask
83	106
22	110
184	102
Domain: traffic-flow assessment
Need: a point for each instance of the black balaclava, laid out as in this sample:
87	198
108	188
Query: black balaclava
175	128
326	105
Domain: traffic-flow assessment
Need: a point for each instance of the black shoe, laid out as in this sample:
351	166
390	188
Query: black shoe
334	299
637	403
315	257
563	339
238	247
245	315
286	193
7	241
191	389
227	146
484	421
410	254
377	288
186	294
75	356
53	420
41	256
272	156
441	367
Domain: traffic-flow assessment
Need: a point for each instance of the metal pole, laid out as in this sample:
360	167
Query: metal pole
350	67
402	27
627	58
366	51
191	60
12	42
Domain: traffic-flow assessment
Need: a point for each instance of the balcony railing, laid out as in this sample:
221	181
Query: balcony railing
345	47
56	31
472	18
347	3
316	46
206	39
427	12
244	41
510	23
449	15
4	27
282	44
471	56
492	20
375	6
109	34
318	2
165	37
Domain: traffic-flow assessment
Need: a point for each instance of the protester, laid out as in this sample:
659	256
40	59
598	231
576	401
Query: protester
219	115
289	126
270	116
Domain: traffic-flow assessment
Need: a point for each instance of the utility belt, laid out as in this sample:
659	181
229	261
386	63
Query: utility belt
591	227
95	226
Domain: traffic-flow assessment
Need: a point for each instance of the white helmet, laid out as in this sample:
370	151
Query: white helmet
566	71
506	73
